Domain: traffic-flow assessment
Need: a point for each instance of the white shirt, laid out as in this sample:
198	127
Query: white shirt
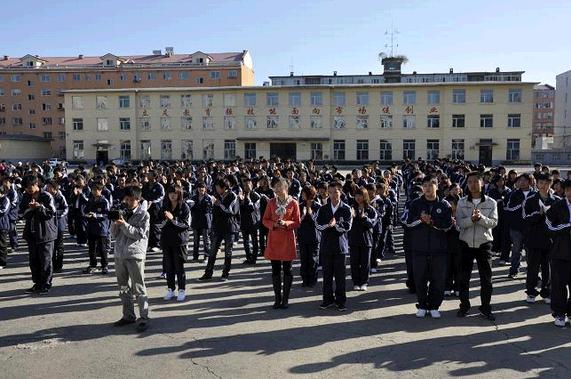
525	193
476	201
334	208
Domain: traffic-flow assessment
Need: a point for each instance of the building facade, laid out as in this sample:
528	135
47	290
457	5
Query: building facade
488	122
543	111
31	87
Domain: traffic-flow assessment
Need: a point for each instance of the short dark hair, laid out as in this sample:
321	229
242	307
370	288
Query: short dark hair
30	180
430	179
97	186
567	183
335	183
544	176
201	185
132	191
52	183
474	173
222	183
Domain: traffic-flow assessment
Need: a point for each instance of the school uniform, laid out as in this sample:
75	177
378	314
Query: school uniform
174	237
249	224
201	223
516	225
61	221
4	228
97	230
76	204
265	196
154	193
360	238
308	241
14	198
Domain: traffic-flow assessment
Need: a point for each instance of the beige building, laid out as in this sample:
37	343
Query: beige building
21	147
488	122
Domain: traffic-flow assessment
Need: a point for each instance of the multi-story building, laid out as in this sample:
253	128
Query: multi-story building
543	111
488	122
31	87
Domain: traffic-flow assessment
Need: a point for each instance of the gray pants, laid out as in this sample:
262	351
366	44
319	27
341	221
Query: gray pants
131	280
517	246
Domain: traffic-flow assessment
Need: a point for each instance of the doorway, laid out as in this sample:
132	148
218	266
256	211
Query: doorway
102	157
283	150
485	156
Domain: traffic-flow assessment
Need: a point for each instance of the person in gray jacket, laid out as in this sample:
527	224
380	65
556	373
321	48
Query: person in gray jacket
131	233
476	216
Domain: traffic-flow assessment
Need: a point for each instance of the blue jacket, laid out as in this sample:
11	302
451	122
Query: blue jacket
558	221
513	209
307	233
201	211
224	215
4	213
14	199
424	238
250	211
536	233
175	231
334	239
40	222
361	233
61	211
99	224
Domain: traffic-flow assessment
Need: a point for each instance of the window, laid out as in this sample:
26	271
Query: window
409	122
229	100
125	150
362	122
486	121
17	121
362	150
317	151
60	77
124	123
78	152
76	102
183	75
16	107
250	122
458	120
339	122
167	75
385	150
122	76
408	149
458	149
272	99
433	121
486	96
512	151
2	120
16	77
165	123
272	122
208	150
186	123
61	135
199	80
316	99
165	101
514	95
166	150
76	77
186	149
124	101
432	149
386	121
32	111
101	102
229	122
145	150
229	149
102	125
409	97
250	150
16	92
151	75
339	99
459	96
362	98
46	107
145	101
2	92
44	78
315	122
207	100
232	74
386	98
433	97
207	122
514	120
185	101
294	99
249	99
294	122
98	77
137	77
339	150
214	75
45	92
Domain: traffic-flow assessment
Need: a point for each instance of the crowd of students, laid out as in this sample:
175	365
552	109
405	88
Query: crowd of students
454	213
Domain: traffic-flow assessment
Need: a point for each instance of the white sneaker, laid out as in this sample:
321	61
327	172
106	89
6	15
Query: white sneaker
156	250
169	295
530	299
379	262
547	300
181	295
421	313
435	314
2	267
560	322
364	287
356	288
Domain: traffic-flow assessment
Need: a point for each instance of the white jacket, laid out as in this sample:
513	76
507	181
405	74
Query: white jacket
479	232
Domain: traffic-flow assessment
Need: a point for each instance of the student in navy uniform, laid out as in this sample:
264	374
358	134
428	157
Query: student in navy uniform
4	227
224	228
452	286
334	220
96	212
308	237
429	218
154	193
386	242
174	237
266	194
249	220
416	192
558	221
501	244
360	238
60	203
201	220
14	198
295	185
538	240
78	199
38	209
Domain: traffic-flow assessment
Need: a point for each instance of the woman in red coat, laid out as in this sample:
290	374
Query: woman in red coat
281	218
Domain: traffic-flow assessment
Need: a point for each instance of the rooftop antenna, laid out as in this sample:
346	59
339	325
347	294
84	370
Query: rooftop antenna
291	65
393	45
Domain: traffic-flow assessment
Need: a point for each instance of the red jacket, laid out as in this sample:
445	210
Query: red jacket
281	245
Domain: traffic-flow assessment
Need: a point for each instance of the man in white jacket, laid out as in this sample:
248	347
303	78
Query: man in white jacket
476	216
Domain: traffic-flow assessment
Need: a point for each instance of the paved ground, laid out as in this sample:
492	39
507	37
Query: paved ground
229	330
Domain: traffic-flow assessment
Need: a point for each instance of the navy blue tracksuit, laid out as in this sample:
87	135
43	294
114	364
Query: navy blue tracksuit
98	230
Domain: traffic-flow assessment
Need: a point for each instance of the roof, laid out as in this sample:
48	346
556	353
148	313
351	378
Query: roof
542	87
91	61
403	74
23	137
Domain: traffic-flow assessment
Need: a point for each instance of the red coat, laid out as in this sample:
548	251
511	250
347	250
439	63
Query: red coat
281	244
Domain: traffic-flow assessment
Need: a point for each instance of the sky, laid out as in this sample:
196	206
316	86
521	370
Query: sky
307	37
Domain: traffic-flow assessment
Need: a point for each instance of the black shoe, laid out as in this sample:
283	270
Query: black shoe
34	289
341	307
513	275
43	291
57	270
104	271
89	270
248	262
205	277
462	313
142	326
327	304
488	315
123	322
277	286
225	276
288	280
194	259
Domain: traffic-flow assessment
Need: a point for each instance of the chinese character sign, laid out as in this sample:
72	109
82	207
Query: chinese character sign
409	109
339	110
362	110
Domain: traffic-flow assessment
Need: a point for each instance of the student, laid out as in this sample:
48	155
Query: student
361	239
281	218
266	194
201	220
4	227
131	234
334	221
429	218
154	193
38	209
308	237
78	200
501	243
14	198
96	213
174	237
61	216
454	251
249	220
